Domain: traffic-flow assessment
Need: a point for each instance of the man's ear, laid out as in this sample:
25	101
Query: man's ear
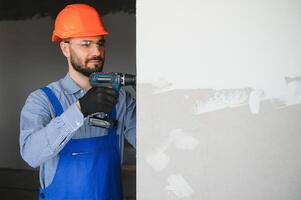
65	49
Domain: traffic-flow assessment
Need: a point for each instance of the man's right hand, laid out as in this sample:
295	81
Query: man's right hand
98	99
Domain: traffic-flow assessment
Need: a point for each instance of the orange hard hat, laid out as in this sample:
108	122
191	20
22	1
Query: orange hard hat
77	20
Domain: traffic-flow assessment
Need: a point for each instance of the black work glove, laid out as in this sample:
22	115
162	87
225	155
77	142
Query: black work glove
98	99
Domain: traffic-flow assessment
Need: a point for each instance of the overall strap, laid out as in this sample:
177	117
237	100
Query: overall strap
53	100
115	138
113	113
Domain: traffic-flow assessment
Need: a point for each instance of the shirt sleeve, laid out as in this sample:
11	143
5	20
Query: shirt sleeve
130	120
41	136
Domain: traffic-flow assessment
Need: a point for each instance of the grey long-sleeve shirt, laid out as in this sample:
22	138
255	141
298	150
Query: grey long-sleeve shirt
43	136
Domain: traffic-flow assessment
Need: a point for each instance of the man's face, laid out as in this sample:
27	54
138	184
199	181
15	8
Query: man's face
87	54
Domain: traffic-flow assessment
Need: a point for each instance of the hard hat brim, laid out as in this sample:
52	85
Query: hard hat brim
57	38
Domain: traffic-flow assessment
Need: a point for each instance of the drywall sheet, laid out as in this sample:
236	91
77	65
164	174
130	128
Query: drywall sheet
219	93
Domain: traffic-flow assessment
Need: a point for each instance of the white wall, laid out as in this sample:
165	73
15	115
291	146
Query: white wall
29	60
219	99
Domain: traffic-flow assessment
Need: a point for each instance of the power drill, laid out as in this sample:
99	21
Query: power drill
113	80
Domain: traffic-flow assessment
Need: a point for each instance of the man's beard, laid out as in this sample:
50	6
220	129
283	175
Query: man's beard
83	68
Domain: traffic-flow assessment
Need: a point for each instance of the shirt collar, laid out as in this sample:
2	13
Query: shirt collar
69	85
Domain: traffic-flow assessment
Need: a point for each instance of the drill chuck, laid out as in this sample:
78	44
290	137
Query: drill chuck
129	79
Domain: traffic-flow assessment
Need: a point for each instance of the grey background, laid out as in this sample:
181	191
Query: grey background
29	60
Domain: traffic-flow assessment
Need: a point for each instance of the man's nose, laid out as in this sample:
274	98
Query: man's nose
97	50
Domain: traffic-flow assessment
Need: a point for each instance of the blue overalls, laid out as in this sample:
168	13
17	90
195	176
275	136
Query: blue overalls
88	169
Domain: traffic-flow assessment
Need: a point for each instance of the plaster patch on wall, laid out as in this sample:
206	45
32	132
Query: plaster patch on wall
158	160
221	99
182	140
178	185
230	98
255	98
293	93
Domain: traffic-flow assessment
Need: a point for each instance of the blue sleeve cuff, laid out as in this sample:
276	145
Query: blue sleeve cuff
66	124
73	118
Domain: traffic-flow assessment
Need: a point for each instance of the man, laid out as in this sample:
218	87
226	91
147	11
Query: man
76	160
